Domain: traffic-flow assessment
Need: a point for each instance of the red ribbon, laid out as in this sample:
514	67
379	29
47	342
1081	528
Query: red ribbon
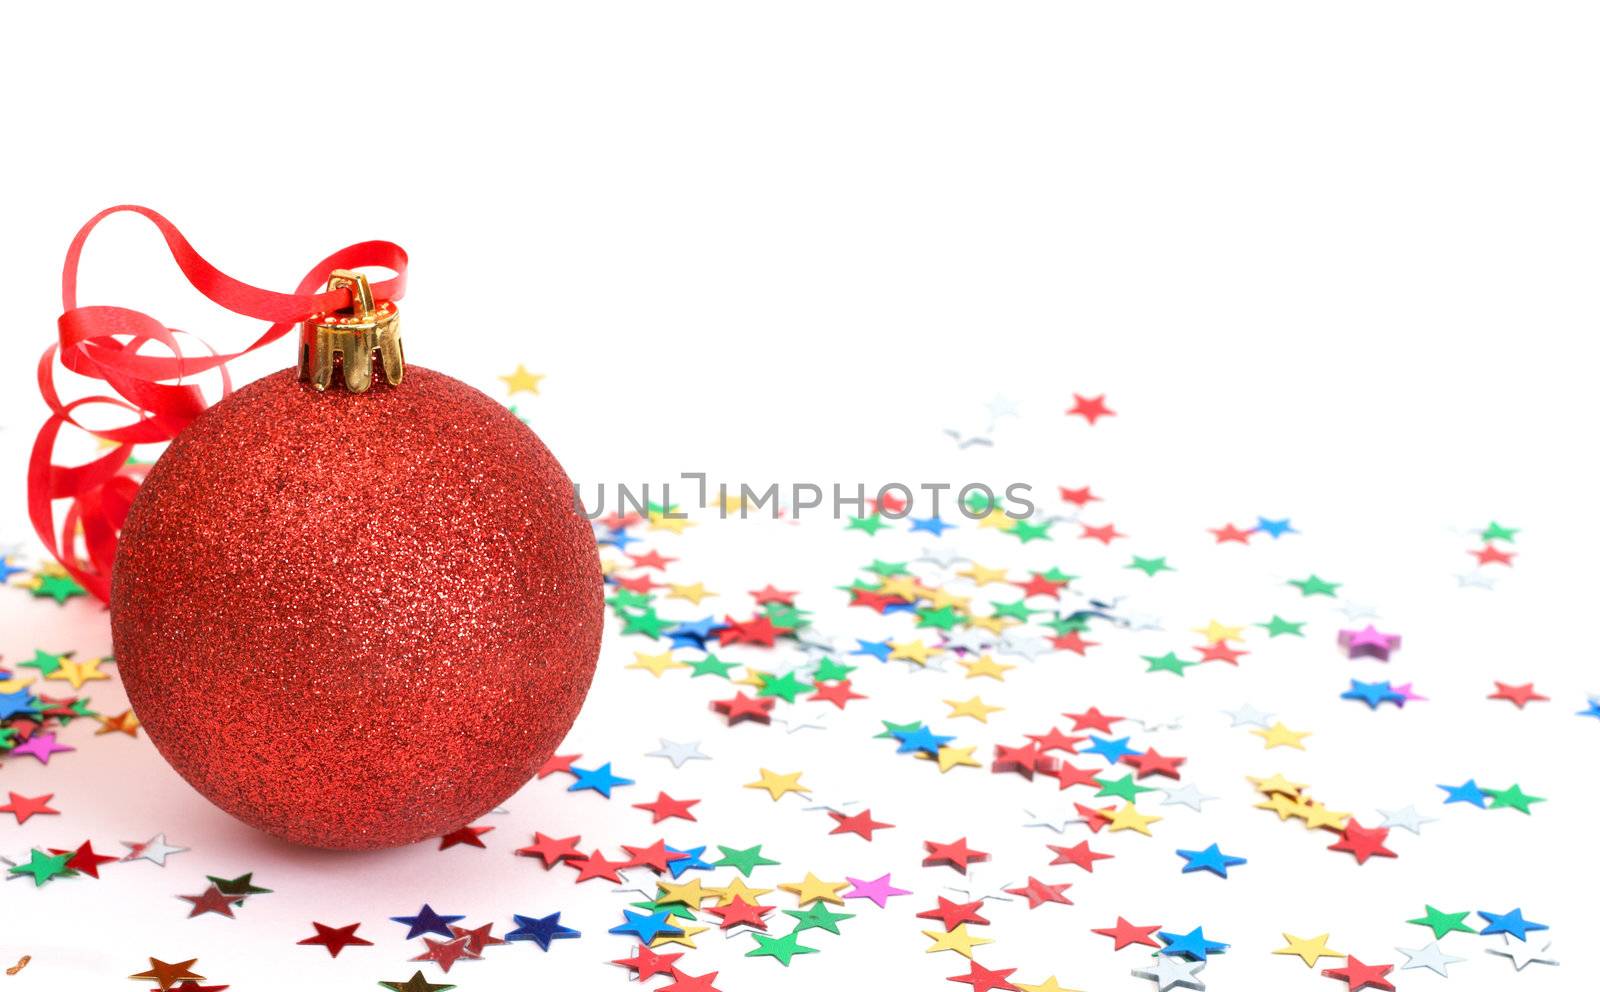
104	343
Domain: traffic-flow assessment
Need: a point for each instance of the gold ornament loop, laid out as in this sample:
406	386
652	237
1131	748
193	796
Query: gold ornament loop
360	290
352	339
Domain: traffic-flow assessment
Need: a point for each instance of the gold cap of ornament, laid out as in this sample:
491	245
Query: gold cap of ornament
353	339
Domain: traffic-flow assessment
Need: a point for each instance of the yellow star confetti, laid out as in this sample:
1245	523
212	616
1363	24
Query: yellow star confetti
751	677
1283	805
737	889
1278	735
659	521
1048	985
1317	815
1128	818
997	518
1308	949
811	889
983	576
938	599
910	651
958	940
951	757
79	672
693	594
985	665
778	786
521	381
1278	784
903	586
975	708
655	664
689	894
1216	632
993	624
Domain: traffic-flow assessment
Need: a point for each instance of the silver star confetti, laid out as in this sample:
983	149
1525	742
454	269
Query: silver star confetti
677	752
1407	818
965	440
1058	819
1248	716
1170	972
981	886
820	720
1522	954
156	849
1430	957
1189	796
831	803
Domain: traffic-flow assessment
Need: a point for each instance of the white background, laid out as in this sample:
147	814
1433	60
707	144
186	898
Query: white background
1337	263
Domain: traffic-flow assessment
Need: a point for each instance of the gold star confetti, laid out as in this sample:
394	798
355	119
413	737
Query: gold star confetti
974	708
1278	735
521	381
693	593
1308	949
985	665
958	940
778	786
812	889
655	664
1216	632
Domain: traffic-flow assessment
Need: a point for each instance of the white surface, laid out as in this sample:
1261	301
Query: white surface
1331	264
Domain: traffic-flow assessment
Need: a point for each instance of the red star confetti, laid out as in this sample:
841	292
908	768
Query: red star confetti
1125	933
953	914
444	953
1105	534
336	939
477	938
1077	497
557	763
1090	409
1079	854
551	850
984	980
471	836
1093	719
212	900
742	707
1522	695
1038	893
596	866
1362	842
862	824
23	807
838	693
85	859
738	912
655	856
665	807
1228	533
1357	975
1491	555
956	854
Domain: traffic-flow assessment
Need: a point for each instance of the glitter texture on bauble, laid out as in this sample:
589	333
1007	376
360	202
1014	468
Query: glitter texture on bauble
356	621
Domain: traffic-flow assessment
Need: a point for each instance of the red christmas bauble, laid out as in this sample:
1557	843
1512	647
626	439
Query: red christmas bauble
356	620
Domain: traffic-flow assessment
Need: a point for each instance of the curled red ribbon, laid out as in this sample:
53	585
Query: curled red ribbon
104	343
